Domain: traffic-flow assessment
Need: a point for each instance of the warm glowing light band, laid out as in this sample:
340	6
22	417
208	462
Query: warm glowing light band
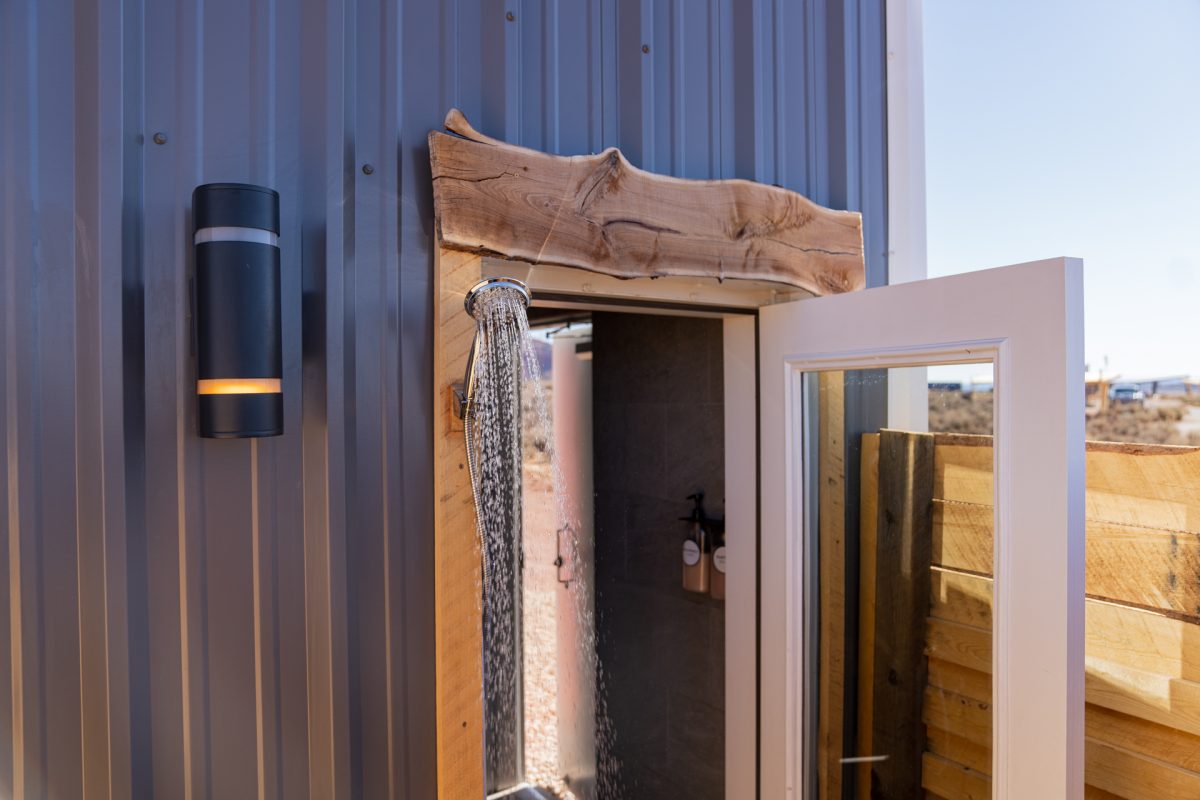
239	386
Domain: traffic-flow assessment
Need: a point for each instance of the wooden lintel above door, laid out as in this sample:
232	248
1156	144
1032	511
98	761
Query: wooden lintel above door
600	213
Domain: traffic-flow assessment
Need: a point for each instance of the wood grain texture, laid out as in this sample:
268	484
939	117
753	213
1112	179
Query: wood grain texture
601	213
901	605
1173	702
954	781
1142	696
1143	644
961	597
960	680
1143	520
458	624
964	645
831	550
1135	777
868	520
966	717
959	750
1150	739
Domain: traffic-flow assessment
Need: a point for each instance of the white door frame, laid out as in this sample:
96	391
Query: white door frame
741	561
1028	320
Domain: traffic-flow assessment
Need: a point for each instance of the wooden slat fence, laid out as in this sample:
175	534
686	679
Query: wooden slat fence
1143	617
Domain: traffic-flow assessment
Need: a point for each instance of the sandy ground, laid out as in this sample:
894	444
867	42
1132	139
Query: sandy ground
541	686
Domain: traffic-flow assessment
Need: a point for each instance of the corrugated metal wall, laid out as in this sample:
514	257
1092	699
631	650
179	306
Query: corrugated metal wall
185	618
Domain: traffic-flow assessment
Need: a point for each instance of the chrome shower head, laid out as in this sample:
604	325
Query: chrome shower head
494	283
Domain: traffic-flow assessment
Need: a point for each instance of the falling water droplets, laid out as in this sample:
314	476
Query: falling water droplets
505	358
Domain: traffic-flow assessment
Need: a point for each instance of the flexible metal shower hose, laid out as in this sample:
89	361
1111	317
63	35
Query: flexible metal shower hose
472	472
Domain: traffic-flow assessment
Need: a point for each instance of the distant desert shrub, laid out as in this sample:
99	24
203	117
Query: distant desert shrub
955	412
1135	423
536	442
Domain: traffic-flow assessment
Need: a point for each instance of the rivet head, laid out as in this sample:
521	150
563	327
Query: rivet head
160	138
367	169
645	48
510	16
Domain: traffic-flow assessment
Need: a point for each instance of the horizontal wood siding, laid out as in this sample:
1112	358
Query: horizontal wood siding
1143	639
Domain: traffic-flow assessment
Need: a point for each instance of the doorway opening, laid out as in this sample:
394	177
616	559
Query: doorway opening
623	605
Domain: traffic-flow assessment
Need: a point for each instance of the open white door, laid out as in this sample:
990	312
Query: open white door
1027	321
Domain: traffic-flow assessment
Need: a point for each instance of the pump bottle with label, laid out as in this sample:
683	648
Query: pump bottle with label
716	578
697	548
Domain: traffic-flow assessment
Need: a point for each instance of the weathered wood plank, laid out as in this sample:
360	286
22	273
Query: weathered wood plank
1173	702
961	597
868	519
831	549
1143	712
458	628
1136	777
964	645
1141	639
962	473
1117	762
968	682
1092	793
901	604
1156	487
1157	569
1158	698
1128	564
959	750
1151	486
601	213
960	622
963	716
963	536
1140	736
1143	520
953	781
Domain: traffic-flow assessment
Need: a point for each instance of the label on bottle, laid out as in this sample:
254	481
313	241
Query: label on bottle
719	559
691	553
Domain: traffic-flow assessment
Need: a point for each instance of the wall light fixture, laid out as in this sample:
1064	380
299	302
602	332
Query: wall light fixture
238	326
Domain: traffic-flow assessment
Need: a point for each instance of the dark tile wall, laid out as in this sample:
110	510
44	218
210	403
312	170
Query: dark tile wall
659	436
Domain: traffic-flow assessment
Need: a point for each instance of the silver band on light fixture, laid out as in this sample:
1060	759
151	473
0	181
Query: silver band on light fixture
233	233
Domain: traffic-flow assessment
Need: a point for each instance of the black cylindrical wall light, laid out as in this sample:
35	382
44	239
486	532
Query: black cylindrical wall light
238	332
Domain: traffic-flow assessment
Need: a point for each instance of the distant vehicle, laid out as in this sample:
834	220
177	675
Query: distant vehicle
1126	393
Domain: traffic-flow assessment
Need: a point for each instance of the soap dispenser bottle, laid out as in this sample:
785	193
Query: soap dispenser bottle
716	578
697	547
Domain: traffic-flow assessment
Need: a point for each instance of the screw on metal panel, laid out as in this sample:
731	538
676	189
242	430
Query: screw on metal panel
160	138
510	16
645	48
368	169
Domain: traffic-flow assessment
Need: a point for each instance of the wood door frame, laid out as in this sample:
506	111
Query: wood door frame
459	641
1030	324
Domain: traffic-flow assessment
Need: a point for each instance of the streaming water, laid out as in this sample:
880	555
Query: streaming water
505	358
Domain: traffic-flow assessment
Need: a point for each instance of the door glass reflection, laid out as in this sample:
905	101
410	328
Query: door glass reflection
903	583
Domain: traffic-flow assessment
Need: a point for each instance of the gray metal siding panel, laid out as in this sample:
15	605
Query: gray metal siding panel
187	617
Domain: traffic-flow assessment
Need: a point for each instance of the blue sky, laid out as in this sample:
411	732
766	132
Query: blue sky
1073	128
